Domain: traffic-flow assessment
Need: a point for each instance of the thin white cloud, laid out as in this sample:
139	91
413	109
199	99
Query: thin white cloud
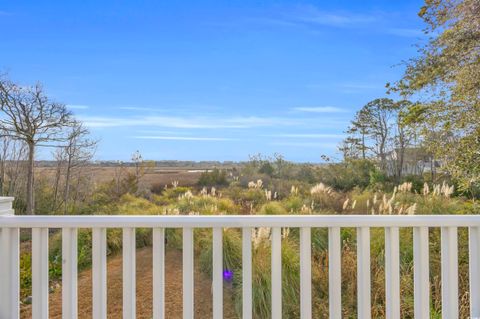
313	15
312	136
77	107
136	108
359	87
183	138
320	109
306	144
185	122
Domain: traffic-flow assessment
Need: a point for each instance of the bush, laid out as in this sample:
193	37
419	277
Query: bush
273	208
348	175
214	178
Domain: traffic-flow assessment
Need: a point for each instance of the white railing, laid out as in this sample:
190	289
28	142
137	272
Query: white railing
9	261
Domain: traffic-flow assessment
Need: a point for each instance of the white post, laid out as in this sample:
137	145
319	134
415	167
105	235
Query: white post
474	265
392	272
449	257
9	265
217	273
363	273
305	273
247	273
335	272
421	273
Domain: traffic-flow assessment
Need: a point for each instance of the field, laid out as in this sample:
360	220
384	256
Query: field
263	188
186	176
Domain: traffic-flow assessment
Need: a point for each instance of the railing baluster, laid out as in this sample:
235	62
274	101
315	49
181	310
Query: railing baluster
217	275
247	273
305	273
334	273
276	273
158	263
129	273
9	273
474	265
449	273
363	273
69	273
188	276
392	273
421	273
40	273
99	273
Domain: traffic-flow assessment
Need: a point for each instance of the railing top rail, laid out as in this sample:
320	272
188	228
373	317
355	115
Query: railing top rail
239	221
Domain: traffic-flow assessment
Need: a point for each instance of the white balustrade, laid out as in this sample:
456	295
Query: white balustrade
9	261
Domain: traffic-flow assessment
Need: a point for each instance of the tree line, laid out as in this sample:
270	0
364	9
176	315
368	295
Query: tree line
439	100
29	120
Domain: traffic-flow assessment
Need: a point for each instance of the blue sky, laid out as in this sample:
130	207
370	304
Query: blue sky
211	80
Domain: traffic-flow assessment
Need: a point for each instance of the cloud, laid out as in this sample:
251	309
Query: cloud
306	144
189	122
312	135
313	15
136	108
359	87
183	138
320	109
78	107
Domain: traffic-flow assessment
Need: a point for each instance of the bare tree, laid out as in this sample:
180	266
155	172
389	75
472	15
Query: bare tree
137	160
12	167
28	115
79	150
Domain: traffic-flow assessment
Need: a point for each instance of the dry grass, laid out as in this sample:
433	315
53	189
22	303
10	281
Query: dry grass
173	290
163	175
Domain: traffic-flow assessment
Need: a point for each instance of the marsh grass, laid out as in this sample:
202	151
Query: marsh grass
292	199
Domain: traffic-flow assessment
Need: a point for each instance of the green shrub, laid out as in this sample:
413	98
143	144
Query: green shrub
347	175
273	208
214	178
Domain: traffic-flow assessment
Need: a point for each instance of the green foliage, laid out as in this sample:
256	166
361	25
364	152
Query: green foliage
273	208
267	169
347	175
237	200
169	195
445	75
214	178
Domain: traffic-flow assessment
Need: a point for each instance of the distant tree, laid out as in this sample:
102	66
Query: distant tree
359	127
12	168
28	115
137	160
404	134
79	150
380	128
350	147
445	76
215	177
267	169
372	122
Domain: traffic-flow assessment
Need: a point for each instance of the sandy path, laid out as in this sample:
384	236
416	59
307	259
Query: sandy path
173	290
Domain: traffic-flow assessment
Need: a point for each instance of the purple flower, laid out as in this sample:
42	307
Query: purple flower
227	275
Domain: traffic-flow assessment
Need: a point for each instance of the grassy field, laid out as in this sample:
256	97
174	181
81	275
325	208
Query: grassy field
277	190
151	176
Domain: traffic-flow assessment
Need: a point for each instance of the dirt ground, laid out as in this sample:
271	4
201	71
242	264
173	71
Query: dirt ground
173	290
